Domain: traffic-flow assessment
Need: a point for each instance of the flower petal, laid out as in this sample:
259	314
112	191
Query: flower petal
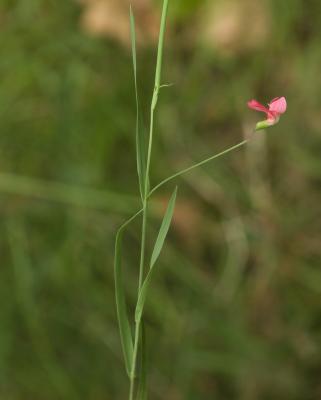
255	105
278	105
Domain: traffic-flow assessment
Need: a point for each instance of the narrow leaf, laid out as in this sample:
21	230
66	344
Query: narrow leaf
163	229
140	137
123	321
157	249
159	60
161	44
133	39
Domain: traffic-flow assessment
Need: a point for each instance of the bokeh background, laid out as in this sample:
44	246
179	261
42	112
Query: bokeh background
235	309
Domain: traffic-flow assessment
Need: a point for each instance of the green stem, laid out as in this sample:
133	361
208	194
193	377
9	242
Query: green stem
133	371
188	169
145	199
143	240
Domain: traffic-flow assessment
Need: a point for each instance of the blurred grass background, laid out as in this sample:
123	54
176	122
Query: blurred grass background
235	310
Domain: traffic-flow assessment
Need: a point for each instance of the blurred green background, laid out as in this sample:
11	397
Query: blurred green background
235	309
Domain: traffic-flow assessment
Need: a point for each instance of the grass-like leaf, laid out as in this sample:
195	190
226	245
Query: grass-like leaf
140	137
161	44
163	229
157	249
123	321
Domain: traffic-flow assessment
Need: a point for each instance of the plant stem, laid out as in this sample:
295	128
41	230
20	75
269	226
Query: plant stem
188	169
143	240
133	372
183	171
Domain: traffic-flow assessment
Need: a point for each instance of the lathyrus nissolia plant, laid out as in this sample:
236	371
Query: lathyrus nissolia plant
133	342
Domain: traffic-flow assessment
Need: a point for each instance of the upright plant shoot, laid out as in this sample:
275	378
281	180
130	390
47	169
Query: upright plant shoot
133	340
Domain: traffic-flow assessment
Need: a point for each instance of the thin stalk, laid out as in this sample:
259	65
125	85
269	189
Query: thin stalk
188	169
143	243
145	199
183	171
133	372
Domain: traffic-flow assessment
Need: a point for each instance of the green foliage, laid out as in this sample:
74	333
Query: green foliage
124	326
140	139
163	230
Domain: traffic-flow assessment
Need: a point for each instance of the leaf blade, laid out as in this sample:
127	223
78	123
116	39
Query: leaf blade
157	249
161	44
140	138
163	229
122	316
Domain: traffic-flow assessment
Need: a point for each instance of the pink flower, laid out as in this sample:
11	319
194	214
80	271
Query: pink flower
276	108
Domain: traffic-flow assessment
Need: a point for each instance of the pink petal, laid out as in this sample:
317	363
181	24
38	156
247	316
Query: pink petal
278	105
255	105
